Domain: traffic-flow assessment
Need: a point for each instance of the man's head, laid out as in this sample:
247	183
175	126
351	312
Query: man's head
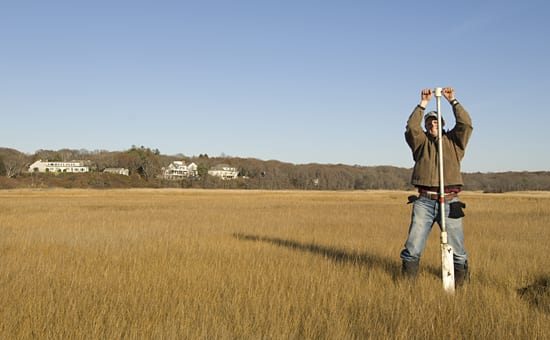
430	122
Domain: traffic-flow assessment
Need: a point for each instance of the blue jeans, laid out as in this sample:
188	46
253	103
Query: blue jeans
425	213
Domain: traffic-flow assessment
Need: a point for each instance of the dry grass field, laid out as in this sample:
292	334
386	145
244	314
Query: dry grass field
195	264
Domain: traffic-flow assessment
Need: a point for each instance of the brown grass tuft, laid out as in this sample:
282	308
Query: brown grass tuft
537	294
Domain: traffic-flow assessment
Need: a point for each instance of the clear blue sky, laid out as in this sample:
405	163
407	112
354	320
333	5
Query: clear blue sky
297	81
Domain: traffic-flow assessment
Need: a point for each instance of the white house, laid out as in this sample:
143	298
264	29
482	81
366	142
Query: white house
117	171
179	170
224	171
46	166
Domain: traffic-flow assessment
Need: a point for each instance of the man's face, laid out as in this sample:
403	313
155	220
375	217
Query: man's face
431	126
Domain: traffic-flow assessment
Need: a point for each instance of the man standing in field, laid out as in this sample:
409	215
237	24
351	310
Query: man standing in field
425	178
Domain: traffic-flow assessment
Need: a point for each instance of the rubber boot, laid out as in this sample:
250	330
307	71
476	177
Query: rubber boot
462	275
409	269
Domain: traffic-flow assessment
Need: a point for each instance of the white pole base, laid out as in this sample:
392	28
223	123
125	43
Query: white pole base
447	268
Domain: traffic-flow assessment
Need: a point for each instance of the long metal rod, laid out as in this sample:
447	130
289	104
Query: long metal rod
440	155
447	265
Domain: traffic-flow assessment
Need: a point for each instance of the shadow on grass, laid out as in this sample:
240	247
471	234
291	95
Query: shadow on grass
537	294
392	267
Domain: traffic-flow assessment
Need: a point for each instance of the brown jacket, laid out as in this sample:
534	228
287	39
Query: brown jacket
424	148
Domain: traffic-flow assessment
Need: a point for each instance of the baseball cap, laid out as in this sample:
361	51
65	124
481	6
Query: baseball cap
433	114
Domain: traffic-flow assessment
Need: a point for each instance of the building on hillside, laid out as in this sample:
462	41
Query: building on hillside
117	171
178	170
46	166
223	171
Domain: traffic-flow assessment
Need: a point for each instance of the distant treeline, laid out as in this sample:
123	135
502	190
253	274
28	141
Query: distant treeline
145	167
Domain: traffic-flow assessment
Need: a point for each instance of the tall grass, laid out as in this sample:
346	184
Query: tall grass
258	264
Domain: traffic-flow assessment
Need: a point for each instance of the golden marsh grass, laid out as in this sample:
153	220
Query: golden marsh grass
195	264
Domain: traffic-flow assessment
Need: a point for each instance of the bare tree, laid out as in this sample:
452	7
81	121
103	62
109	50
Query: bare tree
14	162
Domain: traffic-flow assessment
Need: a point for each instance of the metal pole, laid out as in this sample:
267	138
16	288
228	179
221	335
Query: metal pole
440	162
447	261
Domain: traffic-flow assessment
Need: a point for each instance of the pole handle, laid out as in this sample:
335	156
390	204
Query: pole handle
438	91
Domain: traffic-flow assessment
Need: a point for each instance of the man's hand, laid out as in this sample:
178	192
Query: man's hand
449	93
426	96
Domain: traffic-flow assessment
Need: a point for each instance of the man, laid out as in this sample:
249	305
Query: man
425	178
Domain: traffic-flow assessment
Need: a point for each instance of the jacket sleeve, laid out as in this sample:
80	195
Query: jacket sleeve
414	135
460	134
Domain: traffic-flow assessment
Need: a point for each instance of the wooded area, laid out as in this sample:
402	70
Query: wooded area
145	167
